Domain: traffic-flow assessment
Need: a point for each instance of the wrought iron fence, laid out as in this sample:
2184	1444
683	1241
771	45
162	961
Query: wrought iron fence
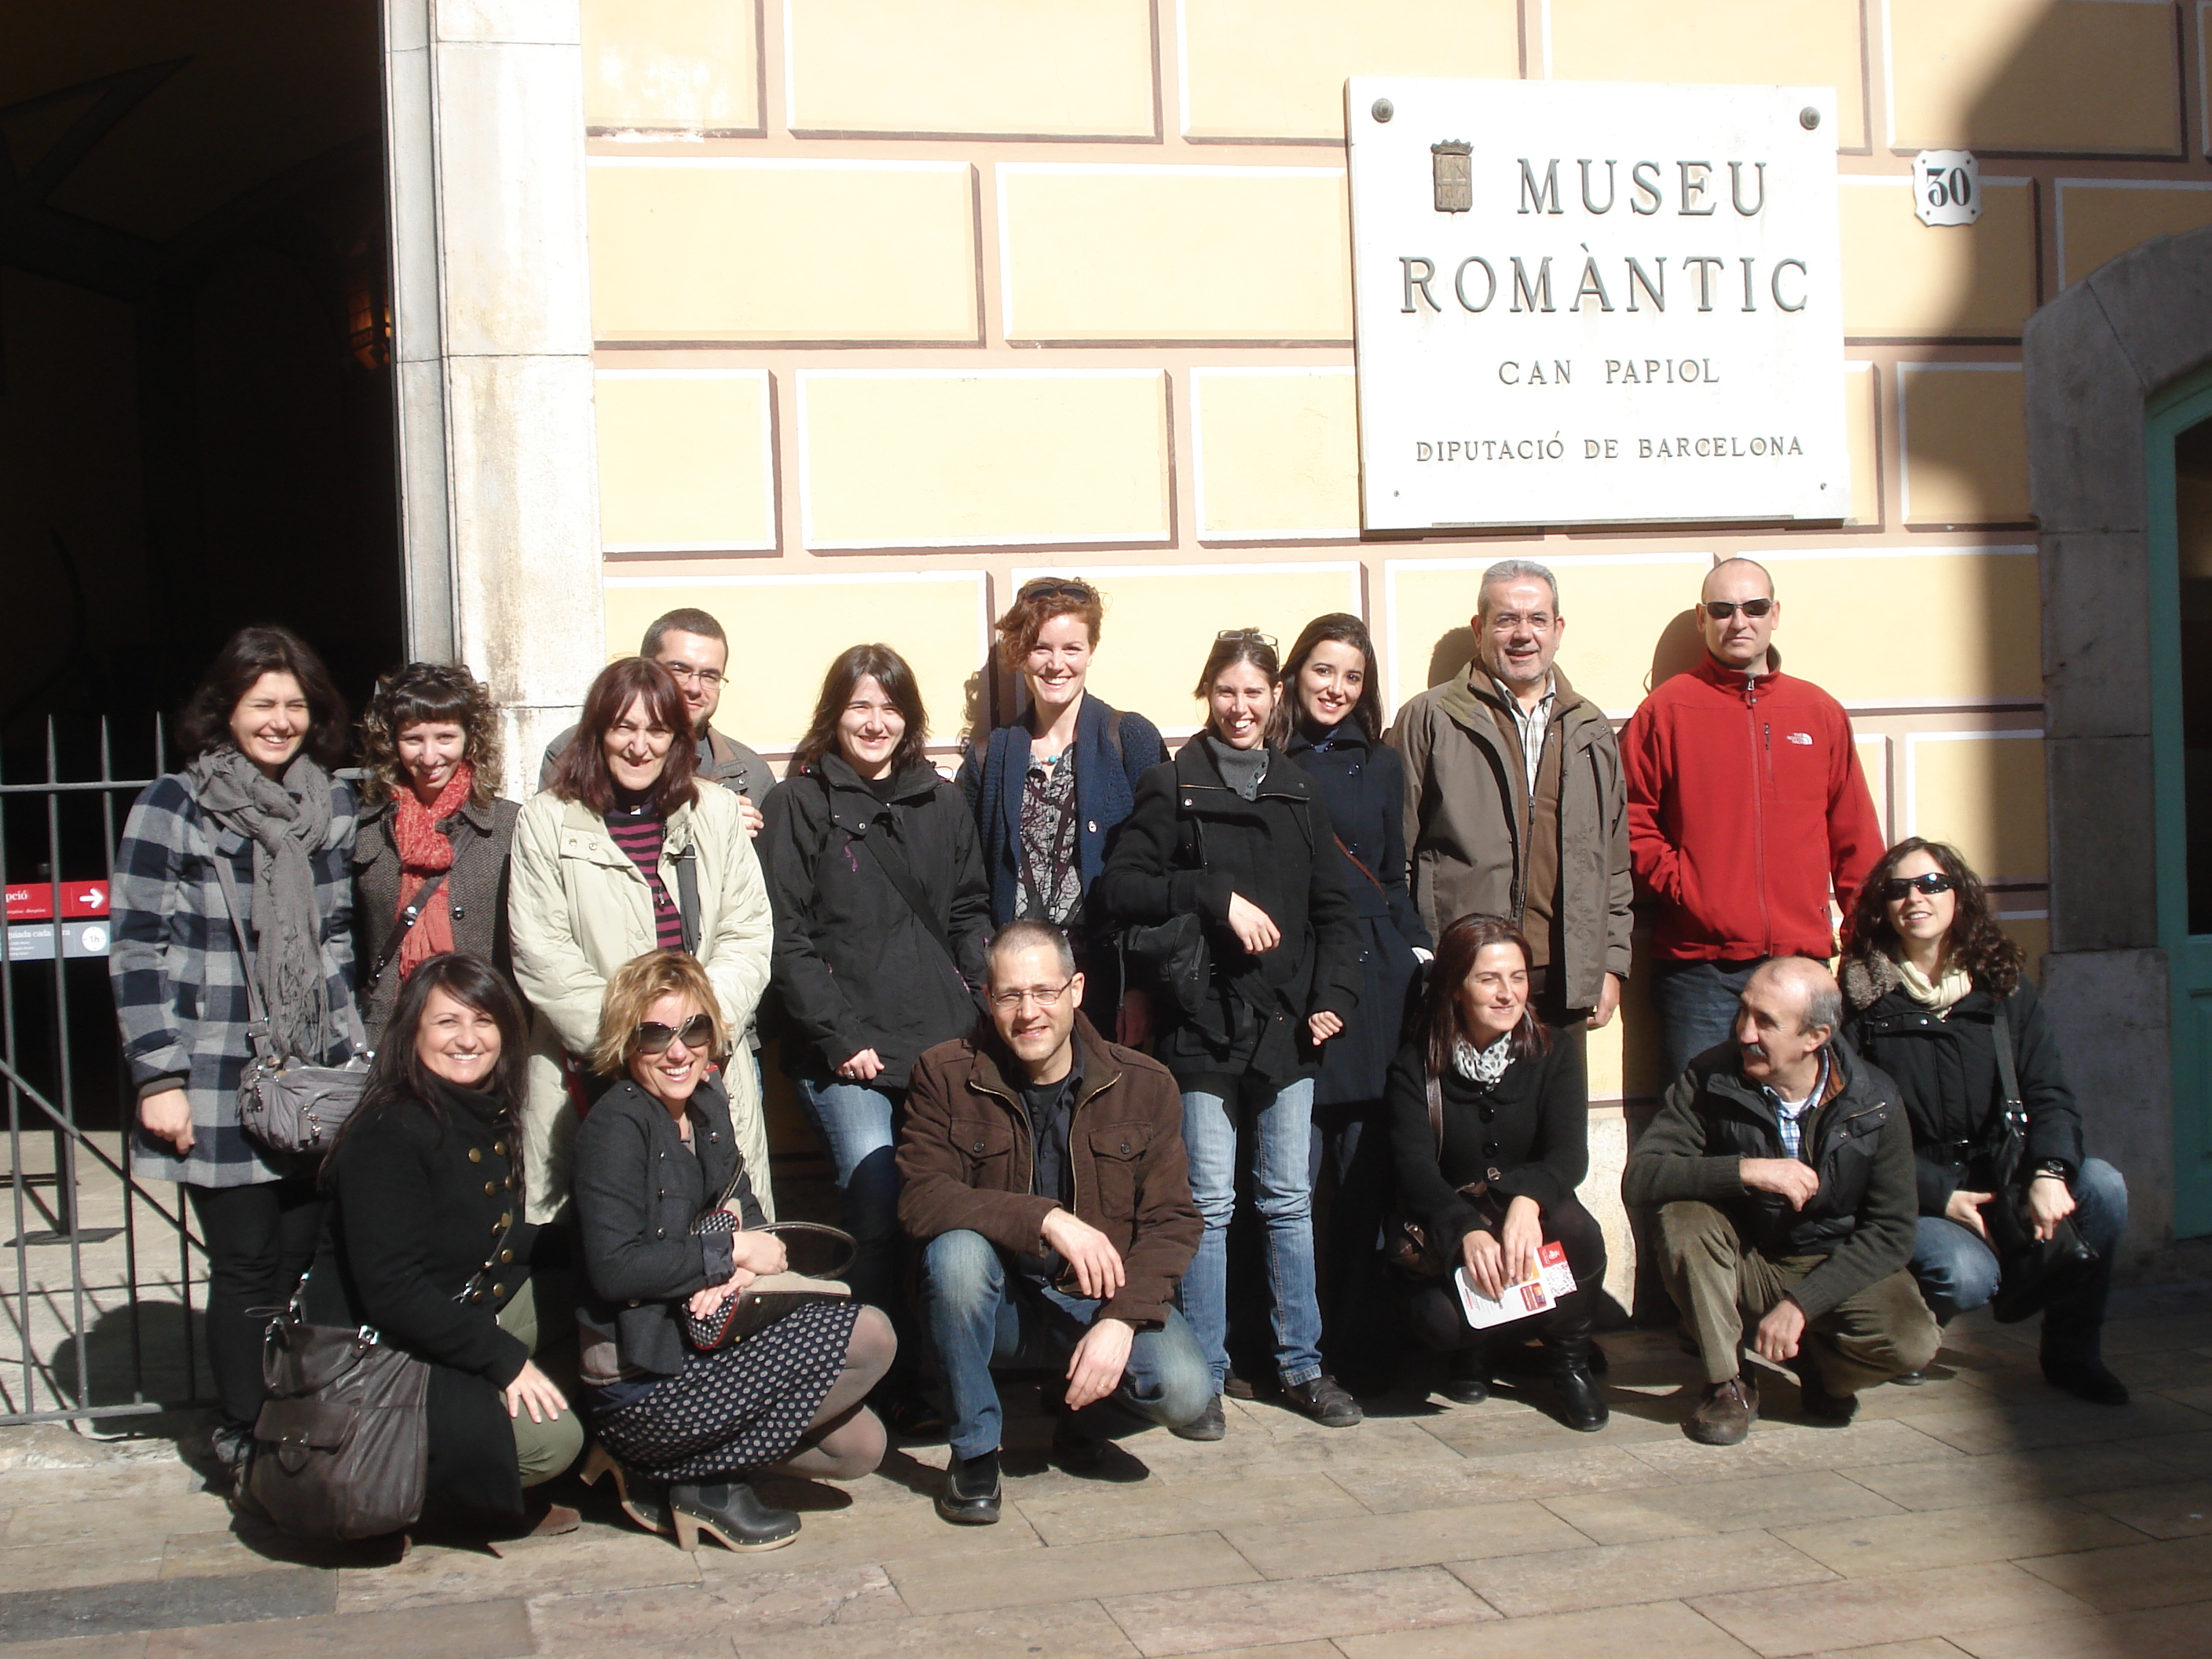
115	1335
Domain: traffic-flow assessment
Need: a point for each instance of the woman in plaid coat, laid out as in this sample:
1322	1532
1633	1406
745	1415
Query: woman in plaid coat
256	793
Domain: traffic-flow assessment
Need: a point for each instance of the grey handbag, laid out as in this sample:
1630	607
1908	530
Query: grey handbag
284	1103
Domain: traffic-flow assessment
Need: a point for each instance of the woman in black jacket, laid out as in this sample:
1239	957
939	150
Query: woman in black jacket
1232	835
876	876
425	1202
653	1160
1490	1124
1336	725
1929	976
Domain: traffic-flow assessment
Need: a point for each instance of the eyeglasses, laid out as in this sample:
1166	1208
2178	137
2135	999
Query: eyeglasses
1933	882
652	1037
1045	996
709	678
1267	639
1722	610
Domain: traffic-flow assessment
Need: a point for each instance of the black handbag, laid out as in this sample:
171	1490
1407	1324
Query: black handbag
342	1447
2032	1273
1173	957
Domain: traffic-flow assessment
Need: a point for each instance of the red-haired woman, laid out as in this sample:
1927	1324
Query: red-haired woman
1490	1124
1049	788
623	853
881	915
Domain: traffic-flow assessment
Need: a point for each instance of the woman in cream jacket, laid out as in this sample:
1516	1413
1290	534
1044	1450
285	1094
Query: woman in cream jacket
623	854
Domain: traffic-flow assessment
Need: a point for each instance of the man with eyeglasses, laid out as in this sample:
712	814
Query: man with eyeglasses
1747	808
692	646
1041	1168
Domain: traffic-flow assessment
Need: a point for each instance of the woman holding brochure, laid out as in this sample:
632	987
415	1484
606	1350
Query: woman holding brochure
1490	1132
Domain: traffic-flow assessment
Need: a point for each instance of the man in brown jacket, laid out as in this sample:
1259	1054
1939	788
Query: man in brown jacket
1515	803
1042	1169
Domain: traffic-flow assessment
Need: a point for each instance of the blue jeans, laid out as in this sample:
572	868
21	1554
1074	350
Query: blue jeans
1958	1272
1282	1190
1696	1002
855	1124
981	1315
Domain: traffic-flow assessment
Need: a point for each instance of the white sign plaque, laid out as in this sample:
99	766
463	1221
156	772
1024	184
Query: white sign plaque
1592	303
1947	187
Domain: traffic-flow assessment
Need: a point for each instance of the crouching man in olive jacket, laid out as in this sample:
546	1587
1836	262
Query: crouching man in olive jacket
1042	1168
1782	1167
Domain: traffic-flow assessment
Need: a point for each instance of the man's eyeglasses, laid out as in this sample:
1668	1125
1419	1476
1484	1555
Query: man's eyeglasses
652	1037
1722	610
1267	639
1933	882
1045	996
709	678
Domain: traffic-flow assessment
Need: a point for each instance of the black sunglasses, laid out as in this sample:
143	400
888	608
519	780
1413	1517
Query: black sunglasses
1933	882
1722	610
652	1037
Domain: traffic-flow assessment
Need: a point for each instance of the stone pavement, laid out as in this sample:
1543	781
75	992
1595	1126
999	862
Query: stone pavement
1981	1514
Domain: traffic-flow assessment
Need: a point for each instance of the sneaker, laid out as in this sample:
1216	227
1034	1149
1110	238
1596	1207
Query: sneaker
1726	1414
2086	1379
971	1498
1209	1425
1323	1399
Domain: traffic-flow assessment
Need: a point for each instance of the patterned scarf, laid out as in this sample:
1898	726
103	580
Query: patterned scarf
423	852
1483	1066
286	822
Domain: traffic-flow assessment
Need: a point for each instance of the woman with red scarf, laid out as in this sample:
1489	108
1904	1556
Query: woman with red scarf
430	859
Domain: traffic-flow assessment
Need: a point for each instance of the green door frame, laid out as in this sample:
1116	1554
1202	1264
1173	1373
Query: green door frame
2189	956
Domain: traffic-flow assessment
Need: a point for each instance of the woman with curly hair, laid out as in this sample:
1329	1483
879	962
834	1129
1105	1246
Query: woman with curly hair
1934	985
430	861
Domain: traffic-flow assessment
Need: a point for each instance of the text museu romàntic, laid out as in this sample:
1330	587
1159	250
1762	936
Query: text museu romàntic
1581	303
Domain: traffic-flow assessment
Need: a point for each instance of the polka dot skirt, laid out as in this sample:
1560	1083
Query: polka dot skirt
740	1408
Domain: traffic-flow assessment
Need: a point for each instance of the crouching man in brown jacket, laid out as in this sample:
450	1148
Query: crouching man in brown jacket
1041	1168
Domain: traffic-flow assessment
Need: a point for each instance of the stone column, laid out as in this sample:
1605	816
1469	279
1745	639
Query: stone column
492	348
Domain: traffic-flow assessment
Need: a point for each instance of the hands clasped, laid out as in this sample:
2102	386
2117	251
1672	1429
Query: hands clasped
751	1254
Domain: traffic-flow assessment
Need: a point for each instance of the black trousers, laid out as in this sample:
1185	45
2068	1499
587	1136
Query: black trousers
259	1241
1440	1322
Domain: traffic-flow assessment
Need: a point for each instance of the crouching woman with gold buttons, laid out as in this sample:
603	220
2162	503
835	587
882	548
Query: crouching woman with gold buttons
427	1244
656	1153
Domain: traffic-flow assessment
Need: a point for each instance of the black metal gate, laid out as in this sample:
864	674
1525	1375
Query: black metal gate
107	1270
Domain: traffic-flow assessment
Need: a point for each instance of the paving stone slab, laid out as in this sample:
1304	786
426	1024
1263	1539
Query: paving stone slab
150	1604
1614	1574
1952	1482
479	1630
1071	1630
1152	1508
78	1647
1404	1538
1585	1467
1790	1448
1956	1538
2177	1632
2181	1509
959	1583
1662	1630
2135	1575
1716	1506
1296	1610
594	1558
2024	1425
1804	1618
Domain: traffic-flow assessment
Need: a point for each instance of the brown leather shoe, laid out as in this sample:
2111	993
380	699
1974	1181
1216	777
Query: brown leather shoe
1725	1415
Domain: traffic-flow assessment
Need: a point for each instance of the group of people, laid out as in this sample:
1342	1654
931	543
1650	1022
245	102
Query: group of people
1055	1022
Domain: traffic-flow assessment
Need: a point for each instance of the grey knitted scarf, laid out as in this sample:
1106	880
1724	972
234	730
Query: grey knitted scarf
287	824
1242	770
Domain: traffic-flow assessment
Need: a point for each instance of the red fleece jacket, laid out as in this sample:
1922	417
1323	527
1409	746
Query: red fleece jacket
1745	802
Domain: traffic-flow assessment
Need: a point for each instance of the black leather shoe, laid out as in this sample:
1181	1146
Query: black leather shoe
1910	1379
1323	1399
1075	1449
728	1511
2086	1379
971	1498
1209	1425
1467	1377
1581	1407
1819	1404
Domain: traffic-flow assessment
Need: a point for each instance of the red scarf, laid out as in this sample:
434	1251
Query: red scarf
423	853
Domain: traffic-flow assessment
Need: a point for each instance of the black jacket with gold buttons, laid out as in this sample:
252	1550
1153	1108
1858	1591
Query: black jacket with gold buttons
423	1196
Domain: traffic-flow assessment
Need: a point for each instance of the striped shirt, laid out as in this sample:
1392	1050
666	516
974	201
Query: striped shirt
639	838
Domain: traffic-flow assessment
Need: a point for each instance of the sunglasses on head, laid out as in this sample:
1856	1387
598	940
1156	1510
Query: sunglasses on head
1933	882
652	1037
1722	610
1267	639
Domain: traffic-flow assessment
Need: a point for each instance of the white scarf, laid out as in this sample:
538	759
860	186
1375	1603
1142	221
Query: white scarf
1482	1065
1954	983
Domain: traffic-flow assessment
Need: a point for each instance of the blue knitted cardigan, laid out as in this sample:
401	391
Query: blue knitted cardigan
1105	792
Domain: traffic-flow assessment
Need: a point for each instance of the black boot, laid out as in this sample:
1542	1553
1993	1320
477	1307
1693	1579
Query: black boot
1567	1337
1466	1374
727	1509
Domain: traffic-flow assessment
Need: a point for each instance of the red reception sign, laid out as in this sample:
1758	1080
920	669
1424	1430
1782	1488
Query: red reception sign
35	901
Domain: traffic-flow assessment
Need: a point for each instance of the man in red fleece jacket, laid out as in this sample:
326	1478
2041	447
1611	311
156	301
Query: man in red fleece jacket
1746	806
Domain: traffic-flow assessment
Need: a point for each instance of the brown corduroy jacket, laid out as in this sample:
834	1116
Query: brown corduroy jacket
966	1160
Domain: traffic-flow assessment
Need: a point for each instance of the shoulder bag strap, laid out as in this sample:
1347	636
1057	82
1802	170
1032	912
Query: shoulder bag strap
1436	1114
1114	738
1356	863
892	862
687	895
408	917
260	1015
2016	1109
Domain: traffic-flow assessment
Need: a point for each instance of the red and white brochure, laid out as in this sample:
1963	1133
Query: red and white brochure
1539	1290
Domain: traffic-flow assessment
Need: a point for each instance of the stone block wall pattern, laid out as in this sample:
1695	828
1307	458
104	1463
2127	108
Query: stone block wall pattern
649	65
1003	456
738	248
686	460
1277	452
1250	71
1986	789
1068	70
2051	77
2100	219
1960	428
1903	280
1791	43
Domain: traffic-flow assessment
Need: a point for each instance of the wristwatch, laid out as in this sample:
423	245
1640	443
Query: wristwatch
2052	1167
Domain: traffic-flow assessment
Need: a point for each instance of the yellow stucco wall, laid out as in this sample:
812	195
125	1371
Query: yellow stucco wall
897	305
